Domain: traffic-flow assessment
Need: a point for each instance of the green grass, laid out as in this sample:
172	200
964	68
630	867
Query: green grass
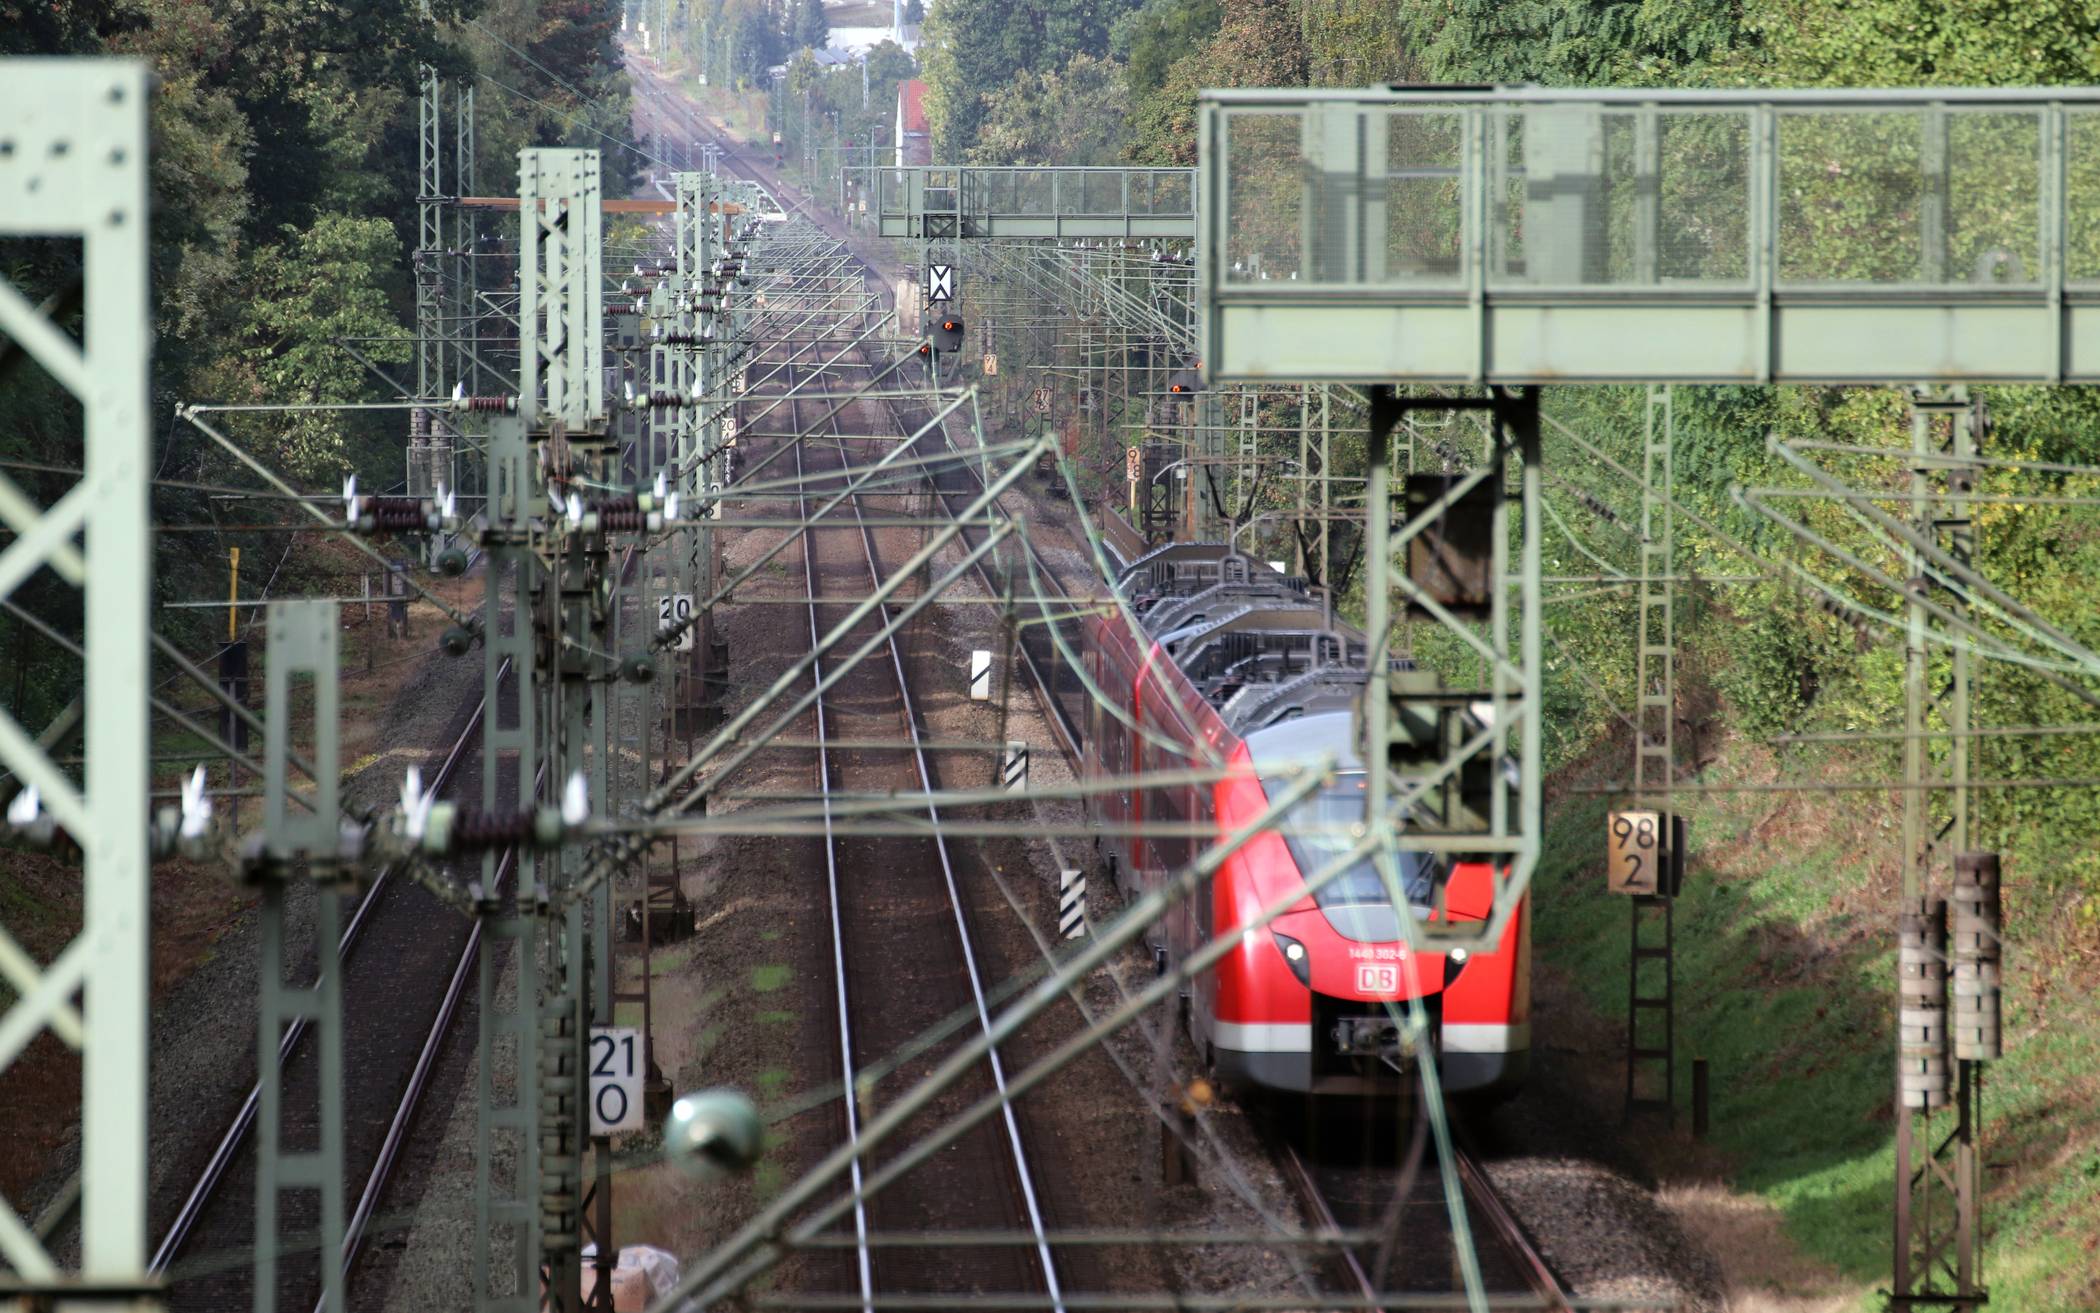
1785	983
665	961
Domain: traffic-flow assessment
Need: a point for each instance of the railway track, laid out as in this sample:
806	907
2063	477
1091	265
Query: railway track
1350	1196
388	1078
386	1043
898	915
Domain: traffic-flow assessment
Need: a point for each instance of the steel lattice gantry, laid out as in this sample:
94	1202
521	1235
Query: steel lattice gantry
1534	235
1063	234
945	201
1938	237
74	167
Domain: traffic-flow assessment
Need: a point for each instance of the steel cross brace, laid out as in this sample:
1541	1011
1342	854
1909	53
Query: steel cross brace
1652	925
302	640
1938	1239
79	169
1507	639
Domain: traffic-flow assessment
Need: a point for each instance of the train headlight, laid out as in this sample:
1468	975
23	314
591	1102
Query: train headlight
1454	962
1295	957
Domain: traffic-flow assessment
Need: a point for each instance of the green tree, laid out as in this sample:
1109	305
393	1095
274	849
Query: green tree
809	29
1150	38
1894	42
1566	42
1354	43
315	289
1259	43
973	48
1068	116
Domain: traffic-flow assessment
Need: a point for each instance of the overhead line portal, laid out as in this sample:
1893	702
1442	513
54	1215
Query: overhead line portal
1531	235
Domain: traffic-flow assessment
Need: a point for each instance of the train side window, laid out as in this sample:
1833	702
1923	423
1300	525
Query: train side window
1168	805
1099	723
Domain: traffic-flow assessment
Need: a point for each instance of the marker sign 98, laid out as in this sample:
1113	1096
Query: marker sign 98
1632	852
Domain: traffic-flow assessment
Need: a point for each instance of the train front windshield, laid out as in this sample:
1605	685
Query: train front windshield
1317	833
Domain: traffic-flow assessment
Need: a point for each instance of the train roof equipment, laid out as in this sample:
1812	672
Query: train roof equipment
1259	646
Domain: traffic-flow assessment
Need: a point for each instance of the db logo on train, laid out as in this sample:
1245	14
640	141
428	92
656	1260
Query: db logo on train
1377	978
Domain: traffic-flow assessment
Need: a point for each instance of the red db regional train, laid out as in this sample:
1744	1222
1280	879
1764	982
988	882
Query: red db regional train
1243	659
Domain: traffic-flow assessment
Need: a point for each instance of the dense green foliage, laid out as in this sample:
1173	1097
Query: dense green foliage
1788	634
974	48
807	27
733	41
284	184
1069	115
841	112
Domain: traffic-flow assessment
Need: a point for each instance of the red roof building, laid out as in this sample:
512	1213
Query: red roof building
914	142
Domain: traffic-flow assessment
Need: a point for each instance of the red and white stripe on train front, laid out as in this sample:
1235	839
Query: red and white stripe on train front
1257	1004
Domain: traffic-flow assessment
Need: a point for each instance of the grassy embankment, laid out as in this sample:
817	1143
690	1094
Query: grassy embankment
1785	978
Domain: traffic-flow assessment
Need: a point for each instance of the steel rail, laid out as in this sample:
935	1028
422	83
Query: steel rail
1487	1202
910	715
418	1080
1182	1302
1065	733
244	1120
1301	1178
441	1024
848	1086
1500	1220
962	931
1510	1232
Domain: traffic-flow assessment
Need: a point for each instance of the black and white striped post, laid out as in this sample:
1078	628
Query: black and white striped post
1013	767
1071	904
980	675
